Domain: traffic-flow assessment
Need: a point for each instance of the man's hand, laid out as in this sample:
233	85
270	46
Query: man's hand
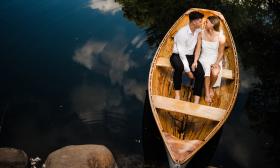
190	75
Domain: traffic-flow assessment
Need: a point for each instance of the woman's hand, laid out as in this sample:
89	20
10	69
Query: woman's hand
194	66
216	65
215	69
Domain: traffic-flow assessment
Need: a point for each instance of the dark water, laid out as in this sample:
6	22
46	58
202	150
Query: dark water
75	72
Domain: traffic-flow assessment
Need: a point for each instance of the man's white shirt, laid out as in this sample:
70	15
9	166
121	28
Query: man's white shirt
184	44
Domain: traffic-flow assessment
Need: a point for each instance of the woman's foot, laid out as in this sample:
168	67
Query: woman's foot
208	99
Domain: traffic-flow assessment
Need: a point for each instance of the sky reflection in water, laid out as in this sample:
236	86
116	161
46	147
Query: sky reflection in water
80	59
75	72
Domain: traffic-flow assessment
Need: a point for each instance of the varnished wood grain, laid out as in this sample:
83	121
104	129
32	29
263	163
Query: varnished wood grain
188	108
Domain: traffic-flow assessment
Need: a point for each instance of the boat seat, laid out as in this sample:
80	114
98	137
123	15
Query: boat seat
179	148
164	62
197	110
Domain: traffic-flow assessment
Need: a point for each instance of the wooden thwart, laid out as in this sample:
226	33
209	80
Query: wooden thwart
197	110
164	62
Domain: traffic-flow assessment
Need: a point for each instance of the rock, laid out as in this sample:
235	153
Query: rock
81	156
13	158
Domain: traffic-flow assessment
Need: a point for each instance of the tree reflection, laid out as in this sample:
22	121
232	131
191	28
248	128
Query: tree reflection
255	25
155	16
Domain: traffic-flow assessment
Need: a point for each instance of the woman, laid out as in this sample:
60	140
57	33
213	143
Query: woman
211	44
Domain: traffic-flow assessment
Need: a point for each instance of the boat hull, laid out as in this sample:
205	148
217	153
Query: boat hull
186	127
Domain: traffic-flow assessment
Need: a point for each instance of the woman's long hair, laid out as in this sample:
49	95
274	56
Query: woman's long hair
215	21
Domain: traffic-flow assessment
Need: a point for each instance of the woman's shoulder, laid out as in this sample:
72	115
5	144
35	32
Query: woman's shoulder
222	39
201	32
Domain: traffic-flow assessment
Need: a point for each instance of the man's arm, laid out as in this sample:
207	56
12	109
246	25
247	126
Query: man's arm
177	44
182	55
197	51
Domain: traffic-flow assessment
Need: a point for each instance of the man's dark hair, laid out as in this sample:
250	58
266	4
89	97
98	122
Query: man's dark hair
195	15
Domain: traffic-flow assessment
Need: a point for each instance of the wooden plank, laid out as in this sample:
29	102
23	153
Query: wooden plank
164	62
226	73
197	110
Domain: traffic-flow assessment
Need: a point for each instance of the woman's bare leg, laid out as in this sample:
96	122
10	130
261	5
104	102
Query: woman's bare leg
207	89
213	78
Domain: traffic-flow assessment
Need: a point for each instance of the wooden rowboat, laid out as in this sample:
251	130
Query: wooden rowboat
186	127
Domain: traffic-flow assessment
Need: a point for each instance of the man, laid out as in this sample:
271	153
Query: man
183	56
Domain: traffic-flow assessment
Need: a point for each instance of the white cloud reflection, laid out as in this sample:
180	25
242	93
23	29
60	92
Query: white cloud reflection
113	61
105	6
85	54
99	102
132	87
138	41
118	62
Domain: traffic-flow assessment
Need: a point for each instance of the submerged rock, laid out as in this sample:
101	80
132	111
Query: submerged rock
81	156
13	158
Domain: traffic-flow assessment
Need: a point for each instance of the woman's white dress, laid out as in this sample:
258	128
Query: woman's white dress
209	55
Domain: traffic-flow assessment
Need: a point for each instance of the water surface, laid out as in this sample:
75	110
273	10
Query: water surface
75	72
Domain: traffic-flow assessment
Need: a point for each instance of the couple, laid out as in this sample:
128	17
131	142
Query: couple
199	54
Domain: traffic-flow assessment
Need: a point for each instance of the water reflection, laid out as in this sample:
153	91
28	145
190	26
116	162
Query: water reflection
138	40
90	107
255	27
248	78
85	55
113	60
74	74
106	59
106	6
83	78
